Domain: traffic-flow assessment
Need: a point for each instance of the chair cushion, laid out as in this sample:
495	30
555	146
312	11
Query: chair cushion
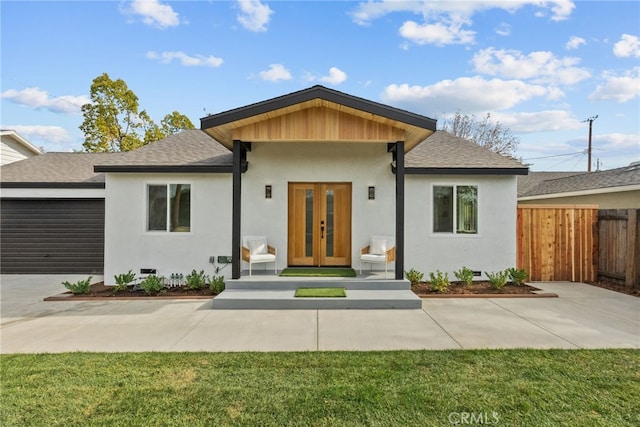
373	258
378	247
262	258
258	246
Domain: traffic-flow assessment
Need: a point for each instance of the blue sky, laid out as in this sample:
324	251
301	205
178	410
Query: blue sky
541	68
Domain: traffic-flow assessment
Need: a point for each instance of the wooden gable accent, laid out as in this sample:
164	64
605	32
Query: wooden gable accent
318	120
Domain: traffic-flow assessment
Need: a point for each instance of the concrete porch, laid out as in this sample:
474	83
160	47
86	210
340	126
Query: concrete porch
264	290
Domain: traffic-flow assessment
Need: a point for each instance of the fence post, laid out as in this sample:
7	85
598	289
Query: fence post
633	251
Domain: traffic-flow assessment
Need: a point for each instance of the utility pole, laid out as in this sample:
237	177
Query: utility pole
590	120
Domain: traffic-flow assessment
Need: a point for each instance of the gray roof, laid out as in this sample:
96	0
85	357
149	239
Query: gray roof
188	148
527	182
620	177
443	150
62	168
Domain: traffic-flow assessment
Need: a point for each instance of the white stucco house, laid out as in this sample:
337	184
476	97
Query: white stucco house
318	172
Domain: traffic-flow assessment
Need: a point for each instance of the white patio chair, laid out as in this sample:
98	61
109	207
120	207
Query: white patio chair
256	250
381	250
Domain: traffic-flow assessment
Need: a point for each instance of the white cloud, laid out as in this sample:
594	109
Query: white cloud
503	29
254	15
574	43
620	88
275	73
619	141
153	13
468	94
335	76
447	22
627	46
540	66
439	34
538	121
34	97
52	134
186	60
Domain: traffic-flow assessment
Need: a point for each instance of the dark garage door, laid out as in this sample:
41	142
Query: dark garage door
52	236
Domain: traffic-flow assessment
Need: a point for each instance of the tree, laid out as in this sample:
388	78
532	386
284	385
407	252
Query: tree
483	132
113	120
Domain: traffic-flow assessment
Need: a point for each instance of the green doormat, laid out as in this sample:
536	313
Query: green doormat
318	272
320	293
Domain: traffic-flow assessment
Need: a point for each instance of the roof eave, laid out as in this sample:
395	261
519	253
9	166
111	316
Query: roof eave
52	185
465	171
164	168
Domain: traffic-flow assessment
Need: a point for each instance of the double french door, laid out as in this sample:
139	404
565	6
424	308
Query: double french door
319	224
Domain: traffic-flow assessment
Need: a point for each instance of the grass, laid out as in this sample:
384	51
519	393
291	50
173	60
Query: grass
318	272
399	388
320	293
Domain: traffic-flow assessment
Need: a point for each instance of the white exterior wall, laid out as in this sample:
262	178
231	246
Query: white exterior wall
128	246
492	249
277	164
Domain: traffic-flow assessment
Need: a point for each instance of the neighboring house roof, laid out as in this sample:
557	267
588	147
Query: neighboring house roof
412	128
527	182
55	170
15	147
188	151
620	179
444	153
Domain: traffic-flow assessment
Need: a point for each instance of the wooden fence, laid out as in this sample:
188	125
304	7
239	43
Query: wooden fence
619	251
558	242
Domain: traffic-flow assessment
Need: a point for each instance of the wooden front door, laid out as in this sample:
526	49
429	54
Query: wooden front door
319	224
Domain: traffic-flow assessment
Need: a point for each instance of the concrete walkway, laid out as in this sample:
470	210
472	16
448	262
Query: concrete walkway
582	317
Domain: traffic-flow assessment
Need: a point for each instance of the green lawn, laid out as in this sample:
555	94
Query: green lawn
320	293
400	388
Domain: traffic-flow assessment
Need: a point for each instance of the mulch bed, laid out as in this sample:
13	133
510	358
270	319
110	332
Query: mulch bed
480	289
101	291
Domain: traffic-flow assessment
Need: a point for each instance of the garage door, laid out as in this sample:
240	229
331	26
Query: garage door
52	236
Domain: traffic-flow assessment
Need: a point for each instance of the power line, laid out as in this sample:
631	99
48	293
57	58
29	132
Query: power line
554	155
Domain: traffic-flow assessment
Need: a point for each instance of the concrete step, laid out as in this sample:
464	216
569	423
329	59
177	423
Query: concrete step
293	284
284	299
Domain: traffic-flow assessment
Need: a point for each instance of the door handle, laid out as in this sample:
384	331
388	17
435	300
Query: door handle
322	229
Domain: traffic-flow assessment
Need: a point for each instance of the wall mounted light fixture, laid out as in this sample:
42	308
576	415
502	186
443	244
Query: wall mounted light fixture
372	193
267	191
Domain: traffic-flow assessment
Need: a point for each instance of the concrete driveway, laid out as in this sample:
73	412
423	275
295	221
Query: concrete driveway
582	317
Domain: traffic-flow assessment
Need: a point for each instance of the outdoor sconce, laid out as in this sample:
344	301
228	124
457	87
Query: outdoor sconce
372	193
267	191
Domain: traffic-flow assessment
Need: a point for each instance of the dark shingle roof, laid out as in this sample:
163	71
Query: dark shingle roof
527	182
187	148
443	150
620	177
61	168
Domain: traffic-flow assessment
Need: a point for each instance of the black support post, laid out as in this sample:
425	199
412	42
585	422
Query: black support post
399	158
236	261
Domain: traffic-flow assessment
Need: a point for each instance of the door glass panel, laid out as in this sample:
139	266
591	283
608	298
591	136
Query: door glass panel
329	239
308	226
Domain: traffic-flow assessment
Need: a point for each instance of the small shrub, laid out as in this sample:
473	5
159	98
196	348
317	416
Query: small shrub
217	284
196	280
439	281
123	280
464	275
80	287
152	284
499	279
518	276
414	276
